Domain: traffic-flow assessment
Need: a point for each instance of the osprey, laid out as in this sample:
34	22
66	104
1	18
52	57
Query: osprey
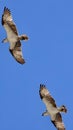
52	109
12	36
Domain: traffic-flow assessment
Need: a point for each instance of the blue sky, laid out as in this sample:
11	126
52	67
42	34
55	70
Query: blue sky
49	60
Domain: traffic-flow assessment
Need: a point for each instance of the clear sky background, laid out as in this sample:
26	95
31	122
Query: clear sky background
49	60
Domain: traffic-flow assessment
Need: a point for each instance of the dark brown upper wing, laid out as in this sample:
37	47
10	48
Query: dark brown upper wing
17	53
8	21
58	122
45	96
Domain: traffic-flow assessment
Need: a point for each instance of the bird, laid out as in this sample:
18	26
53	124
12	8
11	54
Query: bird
52	110
12	36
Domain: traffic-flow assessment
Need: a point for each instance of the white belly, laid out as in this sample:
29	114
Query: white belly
52	112
11	36
50	108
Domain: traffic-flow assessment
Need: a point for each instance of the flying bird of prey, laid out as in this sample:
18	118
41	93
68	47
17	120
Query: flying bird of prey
12	36
52	109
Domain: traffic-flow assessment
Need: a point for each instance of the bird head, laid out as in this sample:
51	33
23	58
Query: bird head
63	109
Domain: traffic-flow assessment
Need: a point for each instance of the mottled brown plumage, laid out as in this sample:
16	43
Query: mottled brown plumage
12	36
52	108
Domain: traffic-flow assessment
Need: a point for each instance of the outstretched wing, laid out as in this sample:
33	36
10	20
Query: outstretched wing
17	53
46	97
58	122
7	21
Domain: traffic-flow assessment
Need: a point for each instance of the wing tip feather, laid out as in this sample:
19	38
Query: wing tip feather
42	86
5	11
